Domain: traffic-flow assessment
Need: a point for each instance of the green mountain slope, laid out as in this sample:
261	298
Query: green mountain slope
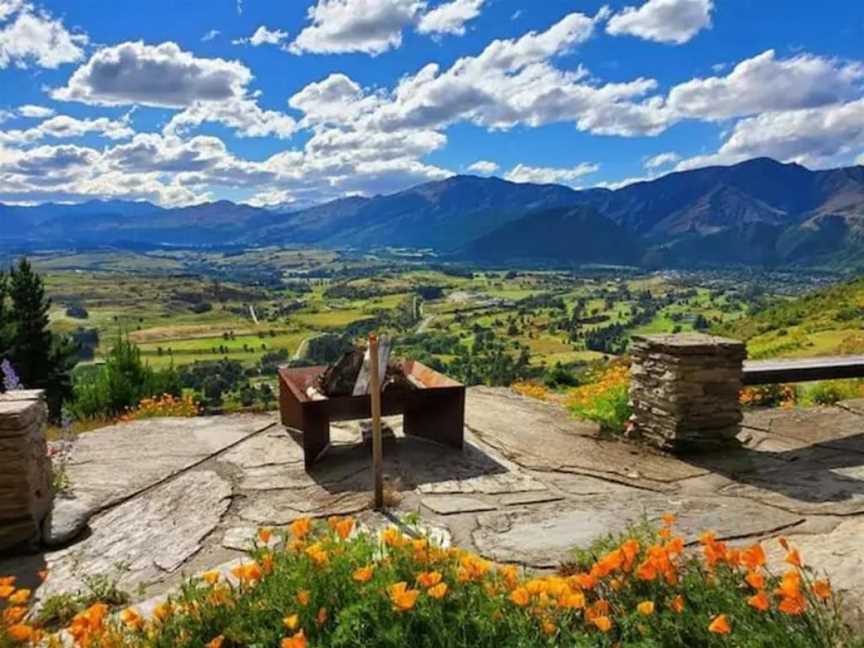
827	322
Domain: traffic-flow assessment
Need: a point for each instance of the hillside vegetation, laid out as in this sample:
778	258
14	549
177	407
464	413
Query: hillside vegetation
826	322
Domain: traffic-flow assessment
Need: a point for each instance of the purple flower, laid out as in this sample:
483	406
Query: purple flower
11	382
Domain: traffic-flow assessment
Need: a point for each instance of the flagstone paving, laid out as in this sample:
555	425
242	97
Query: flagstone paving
172	497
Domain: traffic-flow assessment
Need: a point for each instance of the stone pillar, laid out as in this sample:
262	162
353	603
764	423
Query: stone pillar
25	470
684	390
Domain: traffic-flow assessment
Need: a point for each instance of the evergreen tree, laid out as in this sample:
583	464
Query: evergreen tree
41	359
5	320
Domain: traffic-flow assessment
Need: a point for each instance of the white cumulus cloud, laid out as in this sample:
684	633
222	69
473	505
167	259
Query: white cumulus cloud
764	83
661	160
484	167
450	17
263	36
816	137
664	21
550	175
153	75
35	112
33	36
370	26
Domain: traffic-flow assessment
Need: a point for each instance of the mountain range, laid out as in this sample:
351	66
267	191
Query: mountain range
758	212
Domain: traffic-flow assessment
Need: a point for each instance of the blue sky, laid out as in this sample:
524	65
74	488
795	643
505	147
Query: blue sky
292	101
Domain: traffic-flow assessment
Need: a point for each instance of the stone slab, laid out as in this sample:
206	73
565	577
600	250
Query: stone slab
544	536
831	427
523	499
810	487
283	507
542	436
146	538
67	520
107	465
453	504
276	447
18	416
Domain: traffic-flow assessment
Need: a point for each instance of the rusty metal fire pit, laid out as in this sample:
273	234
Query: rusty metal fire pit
435	411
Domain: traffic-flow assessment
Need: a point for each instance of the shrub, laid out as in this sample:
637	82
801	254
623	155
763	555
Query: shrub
122	382
531	390
165	405
829	392
605	400
768	396
329	586
76	311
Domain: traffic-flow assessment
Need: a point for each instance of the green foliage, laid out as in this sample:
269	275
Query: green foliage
605	399
823	322
41	359
829	392
57	610
489	361
559	376
121	383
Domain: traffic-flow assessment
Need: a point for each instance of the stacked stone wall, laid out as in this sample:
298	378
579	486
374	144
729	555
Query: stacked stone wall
25	469
684	389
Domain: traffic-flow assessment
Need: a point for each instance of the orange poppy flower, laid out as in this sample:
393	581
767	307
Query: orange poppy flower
520	596
439	591
296	641
264	535
300	528
793	558
646	608
720	625
318	555
211	576
19	597
344	527
403	598
793	605
428	579
364	574
753	557
822	589
646	571
14	614
321	617
790	585
755	580
574	601
131	619
602	623
216	642
677	604
20	632
291	621
303	598
759	601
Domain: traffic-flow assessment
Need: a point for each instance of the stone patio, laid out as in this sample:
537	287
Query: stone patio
168	498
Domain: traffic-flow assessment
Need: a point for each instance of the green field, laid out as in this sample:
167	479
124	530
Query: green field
180	307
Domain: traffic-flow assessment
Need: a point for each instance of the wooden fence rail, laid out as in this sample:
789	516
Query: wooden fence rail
766	372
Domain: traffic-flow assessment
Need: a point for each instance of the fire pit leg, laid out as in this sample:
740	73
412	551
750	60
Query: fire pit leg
439	418
316	436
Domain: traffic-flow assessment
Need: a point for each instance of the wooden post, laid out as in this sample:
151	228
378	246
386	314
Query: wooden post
377	450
